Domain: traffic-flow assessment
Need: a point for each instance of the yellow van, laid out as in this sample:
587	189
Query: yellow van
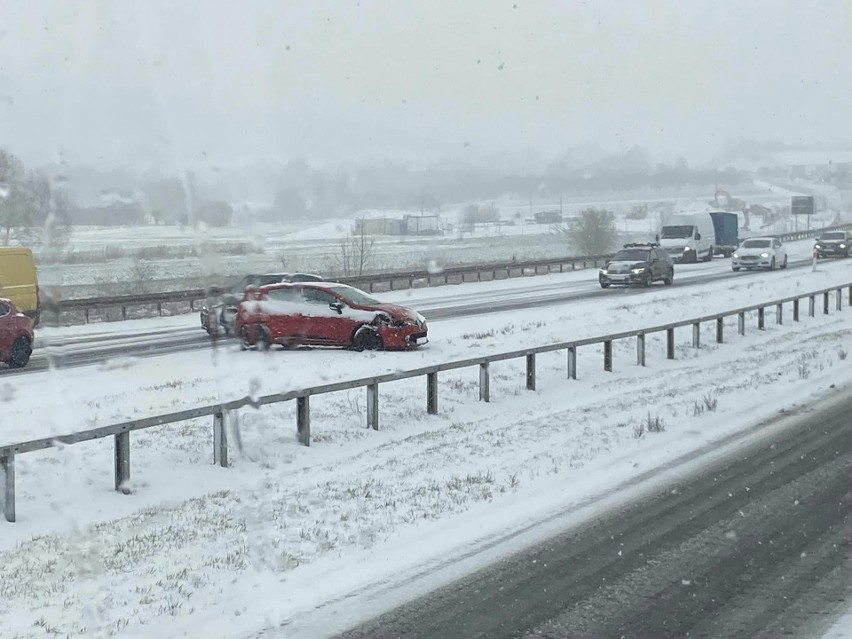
18	280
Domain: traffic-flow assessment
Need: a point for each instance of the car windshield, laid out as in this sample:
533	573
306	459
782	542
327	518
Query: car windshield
753	244
631	255
354	295
676	232
833	235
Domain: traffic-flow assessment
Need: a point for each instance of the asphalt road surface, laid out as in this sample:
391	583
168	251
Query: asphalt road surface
94	350
756	546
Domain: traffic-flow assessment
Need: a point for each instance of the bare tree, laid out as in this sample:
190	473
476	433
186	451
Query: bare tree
591	233
356	251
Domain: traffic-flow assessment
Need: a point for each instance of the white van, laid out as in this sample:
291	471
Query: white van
688	237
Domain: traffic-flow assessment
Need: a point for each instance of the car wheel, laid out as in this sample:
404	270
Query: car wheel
21	351
649	279
246	342
366	340
667	281
784	265
772	264
604	284
735	269
265	338
709	257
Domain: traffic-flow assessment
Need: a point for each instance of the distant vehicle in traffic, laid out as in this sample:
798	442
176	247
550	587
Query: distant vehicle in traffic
19	281
219	318
726	231
325	314
833	244
16	335
760	252
637	264
688	237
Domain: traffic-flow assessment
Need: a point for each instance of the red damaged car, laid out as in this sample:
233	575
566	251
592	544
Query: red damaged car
16	335
325	314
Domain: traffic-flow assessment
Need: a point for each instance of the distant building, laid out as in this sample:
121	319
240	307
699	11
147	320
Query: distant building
548	217
427	224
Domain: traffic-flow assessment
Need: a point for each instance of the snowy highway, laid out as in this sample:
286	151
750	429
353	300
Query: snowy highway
755	545
97	343
318	539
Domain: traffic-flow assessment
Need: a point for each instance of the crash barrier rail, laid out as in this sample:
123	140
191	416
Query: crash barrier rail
221	412
386	281
392	280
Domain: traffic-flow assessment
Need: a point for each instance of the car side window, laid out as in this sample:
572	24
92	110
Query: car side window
284	295
4	309
317	296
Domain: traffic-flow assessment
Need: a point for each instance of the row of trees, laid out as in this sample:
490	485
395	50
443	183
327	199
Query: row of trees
32	210
35	209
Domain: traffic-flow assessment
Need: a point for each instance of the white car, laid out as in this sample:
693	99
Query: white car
760	252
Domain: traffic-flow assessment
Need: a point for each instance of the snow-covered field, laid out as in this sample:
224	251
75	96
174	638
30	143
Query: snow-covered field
315	247
290	534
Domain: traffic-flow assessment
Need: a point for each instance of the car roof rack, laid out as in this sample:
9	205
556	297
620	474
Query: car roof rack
642	245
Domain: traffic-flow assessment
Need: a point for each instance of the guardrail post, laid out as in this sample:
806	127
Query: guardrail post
531	371
720	330
811	305
761	319
696	335
122	462
608	355
741	323
432	393
796	310
220	440
850	295
485	382
640	349
670	349
303	420
124	312
838	299
825	303
373	406
779	313
7	473
572	362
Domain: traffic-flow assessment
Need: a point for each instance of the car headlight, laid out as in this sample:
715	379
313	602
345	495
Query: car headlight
842	246
735	256
603	271
764	255
637	271
687	248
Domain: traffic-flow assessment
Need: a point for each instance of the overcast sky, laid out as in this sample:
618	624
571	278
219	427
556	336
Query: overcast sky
150	83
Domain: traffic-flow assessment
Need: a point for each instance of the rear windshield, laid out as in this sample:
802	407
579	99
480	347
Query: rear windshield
757	243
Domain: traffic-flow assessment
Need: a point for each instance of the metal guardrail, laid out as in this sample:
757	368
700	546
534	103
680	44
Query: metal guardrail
391	280
219	412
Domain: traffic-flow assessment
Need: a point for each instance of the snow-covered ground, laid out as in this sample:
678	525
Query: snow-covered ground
842	629
288	531
315	246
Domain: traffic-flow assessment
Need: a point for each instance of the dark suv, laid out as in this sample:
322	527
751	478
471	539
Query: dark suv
220	317
641	264
833	244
